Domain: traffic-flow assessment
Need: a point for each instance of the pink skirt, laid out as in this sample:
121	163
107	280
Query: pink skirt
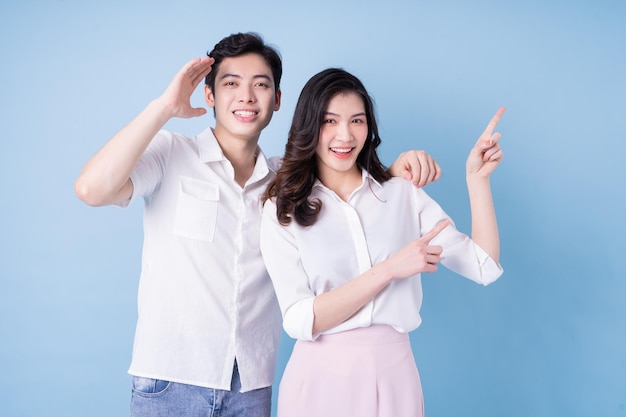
366	372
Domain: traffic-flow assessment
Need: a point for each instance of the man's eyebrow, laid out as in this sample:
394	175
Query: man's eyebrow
267	77
229	75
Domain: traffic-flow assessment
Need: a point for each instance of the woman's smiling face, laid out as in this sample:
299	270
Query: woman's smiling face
342	136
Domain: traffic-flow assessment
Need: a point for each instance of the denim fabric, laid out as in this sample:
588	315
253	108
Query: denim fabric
158	398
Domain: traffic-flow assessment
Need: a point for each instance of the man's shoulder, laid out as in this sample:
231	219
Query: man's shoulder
170	135
169	141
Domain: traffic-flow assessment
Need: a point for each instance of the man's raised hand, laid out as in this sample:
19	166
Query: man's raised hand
417	166
177	96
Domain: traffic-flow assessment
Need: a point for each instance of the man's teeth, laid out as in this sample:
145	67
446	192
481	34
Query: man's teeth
341	150
245	113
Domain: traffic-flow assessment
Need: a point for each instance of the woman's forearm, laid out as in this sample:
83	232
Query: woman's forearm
336	306
484	224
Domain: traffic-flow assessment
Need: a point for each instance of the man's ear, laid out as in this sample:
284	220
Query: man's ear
209	98
277	103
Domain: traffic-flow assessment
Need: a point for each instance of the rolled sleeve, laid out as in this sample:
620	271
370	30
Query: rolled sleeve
463	256
150	168
298	319
460	253
490	270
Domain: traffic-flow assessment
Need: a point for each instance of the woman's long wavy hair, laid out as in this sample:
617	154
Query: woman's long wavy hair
294	180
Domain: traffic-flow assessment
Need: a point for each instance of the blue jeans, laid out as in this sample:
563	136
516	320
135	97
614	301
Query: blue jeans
157	398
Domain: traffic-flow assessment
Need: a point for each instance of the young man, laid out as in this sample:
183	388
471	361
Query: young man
209	326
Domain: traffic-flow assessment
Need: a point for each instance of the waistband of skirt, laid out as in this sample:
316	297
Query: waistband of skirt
372	335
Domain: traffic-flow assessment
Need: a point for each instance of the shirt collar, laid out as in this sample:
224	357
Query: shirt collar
261	168
209	150
208	147
365	176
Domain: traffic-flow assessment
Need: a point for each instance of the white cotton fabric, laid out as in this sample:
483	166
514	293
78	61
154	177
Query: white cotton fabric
347	239
205	297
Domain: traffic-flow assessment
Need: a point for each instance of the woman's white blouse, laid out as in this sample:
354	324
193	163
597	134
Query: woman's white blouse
348	239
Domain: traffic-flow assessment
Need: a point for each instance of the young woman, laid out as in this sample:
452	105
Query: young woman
345	245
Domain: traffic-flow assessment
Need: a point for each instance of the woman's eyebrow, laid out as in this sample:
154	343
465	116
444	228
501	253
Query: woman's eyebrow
330	113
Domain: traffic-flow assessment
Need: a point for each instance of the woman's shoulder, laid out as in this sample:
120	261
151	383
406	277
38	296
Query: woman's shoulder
399	186
398	183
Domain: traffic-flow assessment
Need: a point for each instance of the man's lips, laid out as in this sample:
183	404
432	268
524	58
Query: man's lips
246	115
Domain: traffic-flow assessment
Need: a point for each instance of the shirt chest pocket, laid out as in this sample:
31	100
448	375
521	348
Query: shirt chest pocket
196	209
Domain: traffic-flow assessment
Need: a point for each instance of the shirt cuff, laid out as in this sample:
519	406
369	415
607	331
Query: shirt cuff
490	270
126	203
298	320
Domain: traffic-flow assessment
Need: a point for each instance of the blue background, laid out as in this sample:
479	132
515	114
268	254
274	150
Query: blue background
547	339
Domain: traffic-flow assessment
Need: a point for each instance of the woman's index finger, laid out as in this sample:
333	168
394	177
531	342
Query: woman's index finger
435	230
494	121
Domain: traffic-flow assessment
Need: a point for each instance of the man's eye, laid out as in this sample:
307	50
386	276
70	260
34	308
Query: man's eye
262	85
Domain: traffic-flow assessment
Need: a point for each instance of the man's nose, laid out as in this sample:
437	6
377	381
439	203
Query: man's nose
246	94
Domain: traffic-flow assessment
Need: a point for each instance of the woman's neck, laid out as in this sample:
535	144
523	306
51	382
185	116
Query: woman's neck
342	183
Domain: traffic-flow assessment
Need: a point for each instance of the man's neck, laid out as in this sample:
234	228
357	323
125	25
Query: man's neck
241	152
